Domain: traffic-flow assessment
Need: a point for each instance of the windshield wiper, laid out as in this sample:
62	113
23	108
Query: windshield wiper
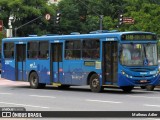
145	61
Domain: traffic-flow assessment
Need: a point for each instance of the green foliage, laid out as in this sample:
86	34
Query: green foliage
90	10
80	15
25	11
145	14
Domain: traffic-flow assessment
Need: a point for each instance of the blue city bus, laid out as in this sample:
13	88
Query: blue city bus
106	59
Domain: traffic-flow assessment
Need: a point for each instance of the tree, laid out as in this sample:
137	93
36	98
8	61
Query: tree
83	16
146	16
80	15
25	11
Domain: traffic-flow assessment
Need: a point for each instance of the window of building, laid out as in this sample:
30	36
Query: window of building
8	50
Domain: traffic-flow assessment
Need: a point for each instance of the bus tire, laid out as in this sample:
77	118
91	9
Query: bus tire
64	86
95	84
143	87
34	80
127	89
150	87
42	85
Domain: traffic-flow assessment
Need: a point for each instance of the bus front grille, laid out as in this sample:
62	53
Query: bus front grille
142	69
140	82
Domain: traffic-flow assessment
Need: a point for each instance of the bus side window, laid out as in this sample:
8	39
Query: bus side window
91	49
8	50
32	50
43	49
47	54
68	54
73	49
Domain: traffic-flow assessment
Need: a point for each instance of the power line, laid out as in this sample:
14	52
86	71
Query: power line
88	7
100	16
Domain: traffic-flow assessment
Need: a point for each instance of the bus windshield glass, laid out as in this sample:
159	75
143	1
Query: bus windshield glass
138	54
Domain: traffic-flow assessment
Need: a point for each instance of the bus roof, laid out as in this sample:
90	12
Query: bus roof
77	36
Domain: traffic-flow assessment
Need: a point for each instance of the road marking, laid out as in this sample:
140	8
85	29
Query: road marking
143	96
24	105
152	119
5	93
102	101
151	105
42	96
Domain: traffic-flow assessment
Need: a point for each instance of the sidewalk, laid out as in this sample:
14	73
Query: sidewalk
5	82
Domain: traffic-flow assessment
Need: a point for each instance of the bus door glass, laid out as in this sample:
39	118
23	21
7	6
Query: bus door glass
56	62
110	62
20	61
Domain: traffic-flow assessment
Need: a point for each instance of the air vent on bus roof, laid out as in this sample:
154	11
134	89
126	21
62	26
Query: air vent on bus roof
32	35
52	34
103	31
75	33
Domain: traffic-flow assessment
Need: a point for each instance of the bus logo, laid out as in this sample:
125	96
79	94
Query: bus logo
33	65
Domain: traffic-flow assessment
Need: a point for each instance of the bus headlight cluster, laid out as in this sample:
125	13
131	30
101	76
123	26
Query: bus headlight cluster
156	74
128	76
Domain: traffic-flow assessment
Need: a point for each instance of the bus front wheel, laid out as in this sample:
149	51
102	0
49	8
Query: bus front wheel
34	81
143	87
150	87
95	84
127	88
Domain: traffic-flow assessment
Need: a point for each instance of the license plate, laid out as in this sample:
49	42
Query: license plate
143	81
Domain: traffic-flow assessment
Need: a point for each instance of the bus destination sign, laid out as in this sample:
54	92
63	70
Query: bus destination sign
138	37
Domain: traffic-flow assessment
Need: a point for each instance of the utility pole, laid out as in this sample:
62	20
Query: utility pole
100	16
101	22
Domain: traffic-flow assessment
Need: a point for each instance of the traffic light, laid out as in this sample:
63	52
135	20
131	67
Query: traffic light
120	19
58	17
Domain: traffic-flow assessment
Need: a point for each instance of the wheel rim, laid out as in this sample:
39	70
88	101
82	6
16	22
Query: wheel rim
95	82
34	80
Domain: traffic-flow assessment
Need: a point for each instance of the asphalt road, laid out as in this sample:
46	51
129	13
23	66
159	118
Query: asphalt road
19	94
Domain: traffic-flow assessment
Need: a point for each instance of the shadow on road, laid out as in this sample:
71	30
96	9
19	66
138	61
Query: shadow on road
87	89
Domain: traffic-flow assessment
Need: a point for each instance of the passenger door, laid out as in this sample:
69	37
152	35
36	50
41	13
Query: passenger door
56	62
110	62
20	62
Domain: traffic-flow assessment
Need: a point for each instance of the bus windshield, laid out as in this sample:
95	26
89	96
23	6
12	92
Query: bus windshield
139	54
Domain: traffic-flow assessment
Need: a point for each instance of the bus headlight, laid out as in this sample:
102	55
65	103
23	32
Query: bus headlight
128	76
123	73
156	74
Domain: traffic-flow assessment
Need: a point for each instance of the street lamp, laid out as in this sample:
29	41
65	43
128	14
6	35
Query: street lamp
9	31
